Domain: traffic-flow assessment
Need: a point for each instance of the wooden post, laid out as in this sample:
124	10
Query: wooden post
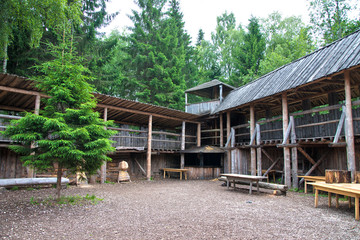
186	102
258	150
29	169
37	105
221	130
232	152
252	130
103	166
294	156
198	142
349	128
148	154
285	113
182	155
221	93
228	126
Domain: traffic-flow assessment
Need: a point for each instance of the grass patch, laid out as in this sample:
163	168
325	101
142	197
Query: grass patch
109	182
14	188
67	200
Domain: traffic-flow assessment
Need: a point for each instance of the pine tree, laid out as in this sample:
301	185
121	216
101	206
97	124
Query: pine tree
68	133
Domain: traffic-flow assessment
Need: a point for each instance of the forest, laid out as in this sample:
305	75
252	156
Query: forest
156	60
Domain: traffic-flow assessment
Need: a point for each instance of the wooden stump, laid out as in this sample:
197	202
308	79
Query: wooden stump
337	176
357	177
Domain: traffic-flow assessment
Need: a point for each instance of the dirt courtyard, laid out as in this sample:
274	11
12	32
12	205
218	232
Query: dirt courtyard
174	209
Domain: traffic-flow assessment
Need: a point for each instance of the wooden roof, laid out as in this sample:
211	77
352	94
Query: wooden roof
206	89
18	94
310	77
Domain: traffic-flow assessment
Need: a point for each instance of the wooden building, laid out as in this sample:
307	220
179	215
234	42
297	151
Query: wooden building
301	118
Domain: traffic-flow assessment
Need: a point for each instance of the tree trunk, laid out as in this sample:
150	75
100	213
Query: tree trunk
5	57
58	183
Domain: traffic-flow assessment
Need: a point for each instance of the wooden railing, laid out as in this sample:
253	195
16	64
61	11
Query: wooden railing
202	107
128	138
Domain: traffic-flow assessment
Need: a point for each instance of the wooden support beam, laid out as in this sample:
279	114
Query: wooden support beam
271	167
258	150
349	129
182	155
267	155
221	130
148	153
228	129
294	155
316	165
307	156
221	92
340	125
103	166
198	141
142	112
252	132
37	105
232	151
22	91
285	114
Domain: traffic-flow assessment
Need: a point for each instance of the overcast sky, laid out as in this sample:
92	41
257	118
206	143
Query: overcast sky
202	13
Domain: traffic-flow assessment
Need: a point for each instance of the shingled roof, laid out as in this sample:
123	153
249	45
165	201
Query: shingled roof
335	57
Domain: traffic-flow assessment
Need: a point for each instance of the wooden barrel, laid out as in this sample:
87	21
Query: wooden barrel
337	176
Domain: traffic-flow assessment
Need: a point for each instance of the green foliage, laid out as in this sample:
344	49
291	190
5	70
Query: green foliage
158	53
331	18
15	188
26	21
287	39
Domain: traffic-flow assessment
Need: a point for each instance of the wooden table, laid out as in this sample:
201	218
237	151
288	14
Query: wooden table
179	170
309	179
345	189
250	178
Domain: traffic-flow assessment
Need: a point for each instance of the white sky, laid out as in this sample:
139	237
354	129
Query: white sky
202	13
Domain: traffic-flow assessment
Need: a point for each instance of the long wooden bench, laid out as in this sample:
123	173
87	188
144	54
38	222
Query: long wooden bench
279	189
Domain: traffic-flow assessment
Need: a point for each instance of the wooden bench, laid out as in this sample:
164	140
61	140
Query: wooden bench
279	189
345	189
242	177
13	182
179	170
310	179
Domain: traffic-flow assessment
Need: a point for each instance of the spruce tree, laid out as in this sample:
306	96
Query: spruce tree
68	132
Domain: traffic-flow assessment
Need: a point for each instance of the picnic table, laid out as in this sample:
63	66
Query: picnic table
345	189
237	177
309	179
179	170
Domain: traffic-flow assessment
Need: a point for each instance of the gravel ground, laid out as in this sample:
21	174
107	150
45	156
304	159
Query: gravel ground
173	209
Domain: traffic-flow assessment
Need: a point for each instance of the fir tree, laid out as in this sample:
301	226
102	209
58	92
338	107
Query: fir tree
69	132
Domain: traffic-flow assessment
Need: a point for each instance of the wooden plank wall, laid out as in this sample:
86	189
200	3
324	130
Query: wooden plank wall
203	172
10	164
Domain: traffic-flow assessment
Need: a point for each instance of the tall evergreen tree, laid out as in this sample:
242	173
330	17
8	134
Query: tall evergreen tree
157	53
253	49
68	132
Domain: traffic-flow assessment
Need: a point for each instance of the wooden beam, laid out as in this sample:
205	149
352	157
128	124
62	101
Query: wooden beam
340	125
307	156
22	91
148	153
258	150
285	114
252	132
267	155
143	113
228	129
198	141
316	165
349	130
182	155
294	155
37	105
103	166
221	130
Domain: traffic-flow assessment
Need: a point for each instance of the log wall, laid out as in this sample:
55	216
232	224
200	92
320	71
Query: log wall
10	164
203	172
